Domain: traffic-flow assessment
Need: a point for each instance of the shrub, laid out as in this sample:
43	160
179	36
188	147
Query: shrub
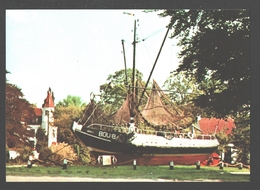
62	151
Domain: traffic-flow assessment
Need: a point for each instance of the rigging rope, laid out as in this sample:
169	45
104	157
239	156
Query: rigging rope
90	115
95	107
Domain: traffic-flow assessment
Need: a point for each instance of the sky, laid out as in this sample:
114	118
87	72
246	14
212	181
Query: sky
74	51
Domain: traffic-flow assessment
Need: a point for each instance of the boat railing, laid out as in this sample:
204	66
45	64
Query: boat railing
109	128
171	135
168	135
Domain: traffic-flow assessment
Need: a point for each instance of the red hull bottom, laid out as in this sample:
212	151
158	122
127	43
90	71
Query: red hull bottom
159	159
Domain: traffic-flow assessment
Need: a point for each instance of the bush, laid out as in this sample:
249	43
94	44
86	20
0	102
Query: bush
44	153
24	152
62	151
84	156
7	153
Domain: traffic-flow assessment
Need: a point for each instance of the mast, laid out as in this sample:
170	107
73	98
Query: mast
134	50
132	101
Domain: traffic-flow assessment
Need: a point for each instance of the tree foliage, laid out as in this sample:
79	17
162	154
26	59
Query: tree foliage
18	112
216	52
71	101
240	136
223	140
215	46
25	152
64	116
83	154
66	112
114	92
65	135
182	90
42	143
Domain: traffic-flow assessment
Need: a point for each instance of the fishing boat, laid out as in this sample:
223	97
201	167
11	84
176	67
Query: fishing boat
159	141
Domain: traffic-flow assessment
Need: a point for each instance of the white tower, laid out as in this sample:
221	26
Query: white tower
48	118
52	136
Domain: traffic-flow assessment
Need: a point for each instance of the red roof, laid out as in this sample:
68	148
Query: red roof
208	126
38	111
49	101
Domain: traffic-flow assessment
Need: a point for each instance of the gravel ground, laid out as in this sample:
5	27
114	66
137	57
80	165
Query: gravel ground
79	179
74	179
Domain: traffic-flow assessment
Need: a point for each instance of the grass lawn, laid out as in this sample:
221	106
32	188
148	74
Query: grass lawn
144	172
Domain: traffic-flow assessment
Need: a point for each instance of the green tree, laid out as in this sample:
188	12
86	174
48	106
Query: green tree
18	112
71	101
114	92
66	112
64	116
42	143
83	154
182	90
215	45
223	140
216	52
240	136
40	134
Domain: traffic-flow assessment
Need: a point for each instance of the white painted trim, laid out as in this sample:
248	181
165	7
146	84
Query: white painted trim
92	135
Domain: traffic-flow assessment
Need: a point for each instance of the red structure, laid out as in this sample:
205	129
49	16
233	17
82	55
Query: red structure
210	125
213	160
